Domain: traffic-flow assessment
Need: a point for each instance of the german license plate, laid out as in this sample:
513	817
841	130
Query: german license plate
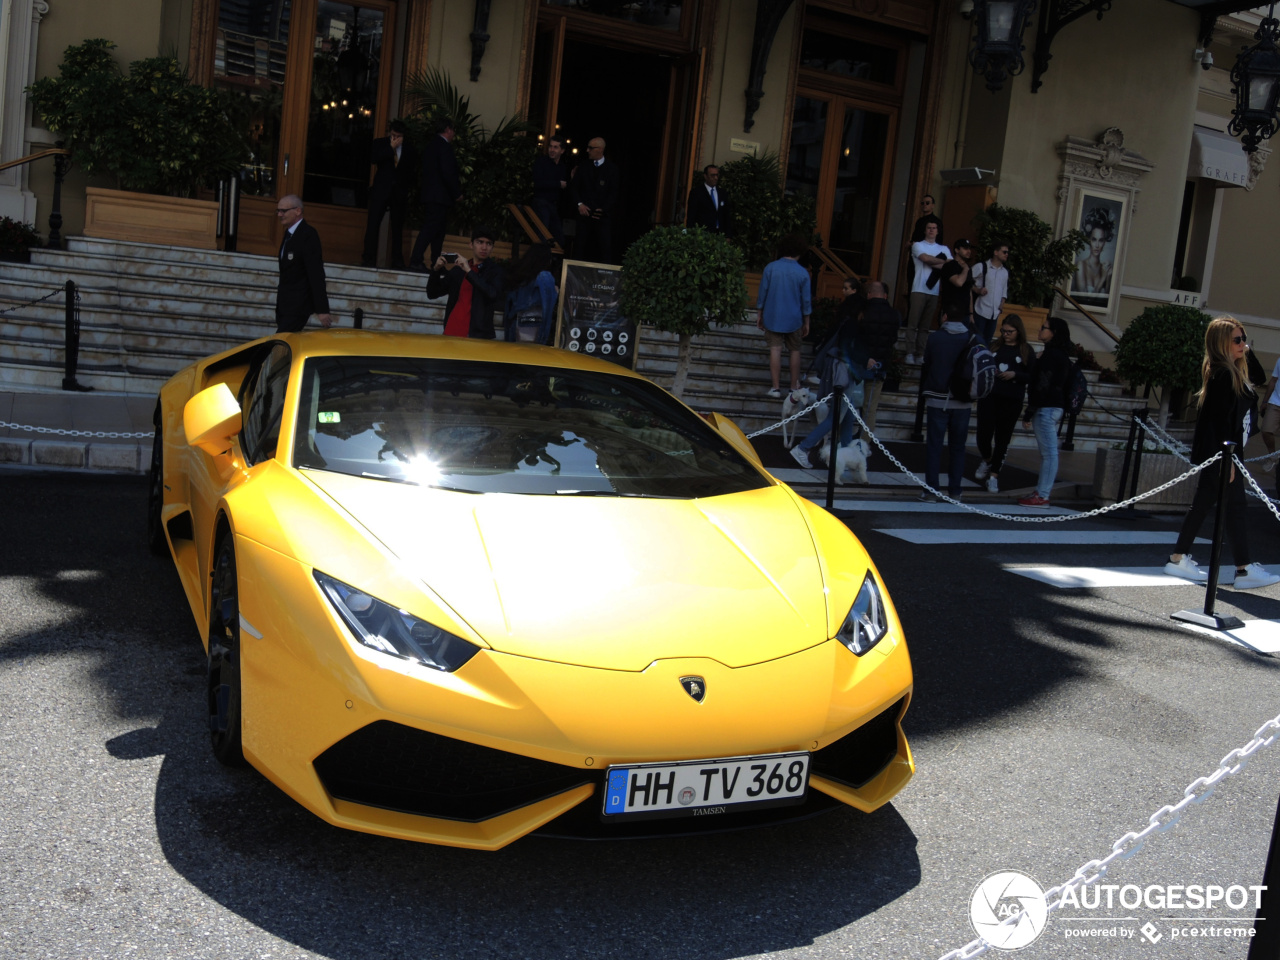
695	788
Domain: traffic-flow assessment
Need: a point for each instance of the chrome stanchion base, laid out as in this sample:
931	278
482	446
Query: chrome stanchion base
1211	620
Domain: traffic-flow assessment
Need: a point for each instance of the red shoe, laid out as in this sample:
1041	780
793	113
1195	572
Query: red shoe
1035	500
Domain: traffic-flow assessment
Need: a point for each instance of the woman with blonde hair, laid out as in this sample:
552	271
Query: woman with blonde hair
1228	407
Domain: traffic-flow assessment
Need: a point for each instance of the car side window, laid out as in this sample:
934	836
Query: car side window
262	404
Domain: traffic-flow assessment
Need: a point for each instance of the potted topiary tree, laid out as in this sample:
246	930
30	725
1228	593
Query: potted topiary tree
681	280
161	136
1163	346
1037	262
761	211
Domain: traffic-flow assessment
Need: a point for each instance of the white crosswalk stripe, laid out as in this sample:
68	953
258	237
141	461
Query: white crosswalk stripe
1260	635
916	506
1077	577
922	535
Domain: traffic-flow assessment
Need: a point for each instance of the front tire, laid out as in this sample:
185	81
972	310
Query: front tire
223	676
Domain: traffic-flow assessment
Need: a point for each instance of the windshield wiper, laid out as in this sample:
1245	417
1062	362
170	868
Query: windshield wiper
611	493
416	483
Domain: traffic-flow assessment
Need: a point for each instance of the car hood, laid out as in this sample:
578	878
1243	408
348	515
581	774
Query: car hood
615	583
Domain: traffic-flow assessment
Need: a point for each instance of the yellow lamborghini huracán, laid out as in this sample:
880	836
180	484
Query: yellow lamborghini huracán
458	591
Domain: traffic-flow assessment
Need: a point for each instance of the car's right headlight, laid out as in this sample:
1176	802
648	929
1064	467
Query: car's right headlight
395	632
866	623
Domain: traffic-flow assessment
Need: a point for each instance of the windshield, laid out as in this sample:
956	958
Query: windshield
509	428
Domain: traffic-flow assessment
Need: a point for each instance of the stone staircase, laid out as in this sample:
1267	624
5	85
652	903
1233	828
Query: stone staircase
148	310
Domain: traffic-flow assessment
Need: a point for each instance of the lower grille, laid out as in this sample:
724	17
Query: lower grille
857	757
389	765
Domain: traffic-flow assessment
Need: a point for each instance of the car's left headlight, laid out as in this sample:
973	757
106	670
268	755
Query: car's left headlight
393	631
866	623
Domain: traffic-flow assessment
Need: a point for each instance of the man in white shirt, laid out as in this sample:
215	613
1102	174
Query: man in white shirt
990	289
922	307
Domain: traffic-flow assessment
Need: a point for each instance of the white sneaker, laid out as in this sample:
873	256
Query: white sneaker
774	392
1186	569
984	469
993	486
1256	575
801	458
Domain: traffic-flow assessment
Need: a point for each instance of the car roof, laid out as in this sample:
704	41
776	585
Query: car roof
372	343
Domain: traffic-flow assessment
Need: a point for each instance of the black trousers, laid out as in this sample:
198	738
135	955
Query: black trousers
432	232
380	200
1205	499
594	241
997	416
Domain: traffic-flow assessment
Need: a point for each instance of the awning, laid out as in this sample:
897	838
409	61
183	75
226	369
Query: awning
1216	156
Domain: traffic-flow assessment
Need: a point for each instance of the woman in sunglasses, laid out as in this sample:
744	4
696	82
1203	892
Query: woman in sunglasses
1228	407
998	411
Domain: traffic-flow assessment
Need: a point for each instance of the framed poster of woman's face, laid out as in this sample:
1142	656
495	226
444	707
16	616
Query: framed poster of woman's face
1100	217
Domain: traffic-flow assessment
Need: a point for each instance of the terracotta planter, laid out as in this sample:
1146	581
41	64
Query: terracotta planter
150	218
1157	468
1032	317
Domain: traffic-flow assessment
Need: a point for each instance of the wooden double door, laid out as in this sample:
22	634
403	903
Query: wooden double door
312	85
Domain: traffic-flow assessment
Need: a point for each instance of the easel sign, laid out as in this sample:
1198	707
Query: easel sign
590	316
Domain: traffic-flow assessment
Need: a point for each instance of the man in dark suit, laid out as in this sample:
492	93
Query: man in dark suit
595	188
394	158
440	190
475	288
550	177
301	291
707	207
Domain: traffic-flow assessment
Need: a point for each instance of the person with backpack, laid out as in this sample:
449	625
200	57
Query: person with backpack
833	366
948	404
531	298
1046	404
998	411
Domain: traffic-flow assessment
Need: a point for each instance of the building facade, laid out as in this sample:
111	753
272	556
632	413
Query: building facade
869	105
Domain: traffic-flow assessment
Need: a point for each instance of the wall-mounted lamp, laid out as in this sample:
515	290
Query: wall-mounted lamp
1256	85
997	47
966	9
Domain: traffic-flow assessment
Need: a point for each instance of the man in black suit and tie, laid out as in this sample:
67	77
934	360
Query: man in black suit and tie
394	158
441	189
301	290
706	207
595	188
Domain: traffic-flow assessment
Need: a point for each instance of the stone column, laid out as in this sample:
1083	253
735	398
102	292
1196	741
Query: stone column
19	28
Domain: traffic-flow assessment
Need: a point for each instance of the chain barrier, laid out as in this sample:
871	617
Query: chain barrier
31	303
95	434
1162	821
794	416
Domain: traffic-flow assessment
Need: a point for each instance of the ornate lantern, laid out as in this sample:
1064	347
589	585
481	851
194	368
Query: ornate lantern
1256	77
997	48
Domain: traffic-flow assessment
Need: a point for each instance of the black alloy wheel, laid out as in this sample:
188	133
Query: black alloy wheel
156	541
223	683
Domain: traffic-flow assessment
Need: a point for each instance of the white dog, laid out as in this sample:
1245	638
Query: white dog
851	461
793	401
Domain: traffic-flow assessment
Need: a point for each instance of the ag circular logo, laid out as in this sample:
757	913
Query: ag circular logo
1003	895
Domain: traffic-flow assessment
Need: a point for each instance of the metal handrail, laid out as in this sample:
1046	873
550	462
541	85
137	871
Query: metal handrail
51	152
1096	322
59	154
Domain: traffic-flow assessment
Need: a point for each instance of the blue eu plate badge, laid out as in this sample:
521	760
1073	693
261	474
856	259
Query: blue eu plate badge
616	793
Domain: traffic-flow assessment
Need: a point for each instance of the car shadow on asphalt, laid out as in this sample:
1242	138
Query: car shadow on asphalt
243	843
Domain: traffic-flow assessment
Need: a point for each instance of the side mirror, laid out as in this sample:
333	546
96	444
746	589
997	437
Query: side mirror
733	433
211	418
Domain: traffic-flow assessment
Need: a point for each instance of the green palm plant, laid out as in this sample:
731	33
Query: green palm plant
495	166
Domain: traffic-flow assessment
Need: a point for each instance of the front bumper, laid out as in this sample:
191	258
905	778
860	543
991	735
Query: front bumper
508	744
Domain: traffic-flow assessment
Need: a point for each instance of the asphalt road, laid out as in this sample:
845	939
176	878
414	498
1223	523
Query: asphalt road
1047	722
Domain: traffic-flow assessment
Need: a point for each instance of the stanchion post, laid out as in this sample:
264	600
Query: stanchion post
1070	442
1128	459
55	213
838	400
359	318
1209	618
71	360
1137	454
1265	944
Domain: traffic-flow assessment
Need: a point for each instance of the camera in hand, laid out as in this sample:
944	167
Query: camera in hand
450	258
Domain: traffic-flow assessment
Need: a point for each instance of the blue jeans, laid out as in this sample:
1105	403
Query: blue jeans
821	430
986	327
954	425
1045	423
